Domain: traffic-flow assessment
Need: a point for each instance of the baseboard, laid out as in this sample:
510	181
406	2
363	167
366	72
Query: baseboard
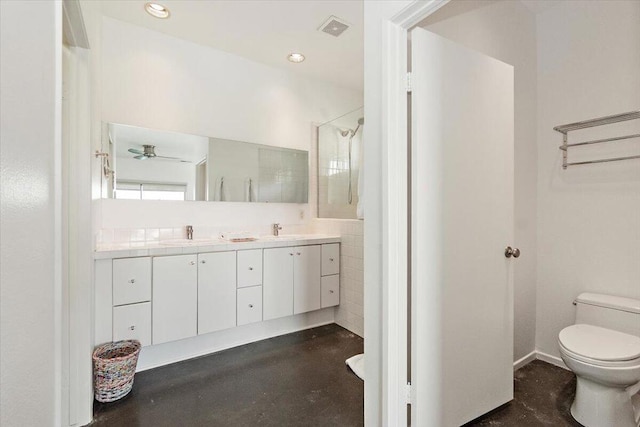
524	360
177	351
554	360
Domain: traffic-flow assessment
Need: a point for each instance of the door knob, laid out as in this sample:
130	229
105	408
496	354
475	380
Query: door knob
511	252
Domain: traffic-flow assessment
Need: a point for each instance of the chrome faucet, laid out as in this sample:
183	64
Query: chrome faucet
276	229
189	232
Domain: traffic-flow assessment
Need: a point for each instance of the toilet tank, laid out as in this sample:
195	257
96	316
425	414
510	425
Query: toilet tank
607	311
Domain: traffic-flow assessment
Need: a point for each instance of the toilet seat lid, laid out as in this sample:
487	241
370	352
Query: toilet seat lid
598	343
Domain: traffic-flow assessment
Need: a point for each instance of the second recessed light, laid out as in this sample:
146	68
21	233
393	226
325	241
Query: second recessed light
157	10
295	57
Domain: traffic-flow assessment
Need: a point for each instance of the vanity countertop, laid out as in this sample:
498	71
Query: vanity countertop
183	246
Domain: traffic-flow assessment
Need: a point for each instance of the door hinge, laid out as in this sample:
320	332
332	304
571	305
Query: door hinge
408	394
408	82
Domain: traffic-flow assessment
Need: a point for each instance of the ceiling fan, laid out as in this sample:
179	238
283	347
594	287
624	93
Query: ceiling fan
150	153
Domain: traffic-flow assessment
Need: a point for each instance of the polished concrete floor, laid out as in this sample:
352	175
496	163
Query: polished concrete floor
298	379
543	394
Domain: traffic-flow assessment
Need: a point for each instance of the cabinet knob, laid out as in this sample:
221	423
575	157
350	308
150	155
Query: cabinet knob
331	259
132	281
511	252
291	253
132	327
250	305
298	253
250	268
192	263
203	261
330	291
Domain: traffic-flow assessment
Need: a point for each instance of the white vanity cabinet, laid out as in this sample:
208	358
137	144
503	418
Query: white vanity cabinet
330	291
292	280
249	268
131	280
175	298
330	259
132	322
330	283
164	297
278	283
216	291
306	278
249	305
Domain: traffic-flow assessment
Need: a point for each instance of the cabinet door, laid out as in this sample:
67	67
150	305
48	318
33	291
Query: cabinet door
132	322
330	289
175	297
131	280
330	259
306	278
249	268
249	305
278	283
216	291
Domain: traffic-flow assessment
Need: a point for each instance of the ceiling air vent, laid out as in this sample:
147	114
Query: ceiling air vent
334	26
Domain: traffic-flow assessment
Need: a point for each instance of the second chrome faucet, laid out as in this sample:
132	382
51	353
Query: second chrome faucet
276	229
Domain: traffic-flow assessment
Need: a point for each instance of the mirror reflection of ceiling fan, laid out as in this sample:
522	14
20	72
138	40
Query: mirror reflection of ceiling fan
150	153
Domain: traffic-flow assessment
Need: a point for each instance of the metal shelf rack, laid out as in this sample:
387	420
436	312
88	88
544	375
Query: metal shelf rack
565	129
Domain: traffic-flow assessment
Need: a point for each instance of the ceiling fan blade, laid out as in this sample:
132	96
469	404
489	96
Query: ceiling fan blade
167	157
141	157
134	151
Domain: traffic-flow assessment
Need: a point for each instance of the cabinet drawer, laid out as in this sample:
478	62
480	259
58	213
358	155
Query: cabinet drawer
330	259
132	322
330	290
249	268
249	305
131	280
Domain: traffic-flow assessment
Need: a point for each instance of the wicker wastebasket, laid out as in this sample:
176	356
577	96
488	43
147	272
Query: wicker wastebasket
114	365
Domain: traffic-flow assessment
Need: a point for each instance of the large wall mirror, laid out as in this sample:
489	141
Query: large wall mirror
158	165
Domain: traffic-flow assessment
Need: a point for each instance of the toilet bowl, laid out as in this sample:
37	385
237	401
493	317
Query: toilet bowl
607	367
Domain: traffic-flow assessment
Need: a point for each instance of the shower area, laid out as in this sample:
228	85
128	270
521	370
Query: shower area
340	158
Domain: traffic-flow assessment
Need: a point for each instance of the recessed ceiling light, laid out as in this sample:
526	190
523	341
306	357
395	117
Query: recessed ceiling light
157	10
295	57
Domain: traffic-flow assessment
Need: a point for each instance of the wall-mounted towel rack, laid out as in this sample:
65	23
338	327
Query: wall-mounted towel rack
565	129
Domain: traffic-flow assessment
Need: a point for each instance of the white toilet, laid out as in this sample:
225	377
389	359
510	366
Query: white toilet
603	350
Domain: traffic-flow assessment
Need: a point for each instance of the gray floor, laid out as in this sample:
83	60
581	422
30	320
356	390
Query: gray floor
300	379
543	394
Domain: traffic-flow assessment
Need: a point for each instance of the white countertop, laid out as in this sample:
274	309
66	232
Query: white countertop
183	246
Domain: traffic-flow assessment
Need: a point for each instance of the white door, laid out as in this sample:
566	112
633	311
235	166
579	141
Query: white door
216	291
306	278
175	298
278	283
462	220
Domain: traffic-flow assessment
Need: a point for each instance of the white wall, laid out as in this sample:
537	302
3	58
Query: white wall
157	81
30	83
588	216
506	30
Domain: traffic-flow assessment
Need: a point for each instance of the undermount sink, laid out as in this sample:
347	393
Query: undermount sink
284	237
187	242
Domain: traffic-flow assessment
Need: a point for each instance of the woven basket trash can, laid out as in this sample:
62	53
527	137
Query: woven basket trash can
114	366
